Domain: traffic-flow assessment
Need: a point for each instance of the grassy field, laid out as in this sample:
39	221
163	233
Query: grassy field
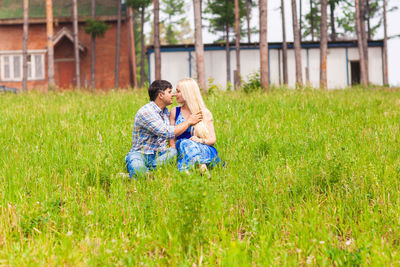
312	178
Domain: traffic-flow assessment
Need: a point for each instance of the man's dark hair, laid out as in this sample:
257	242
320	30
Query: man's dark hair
158	86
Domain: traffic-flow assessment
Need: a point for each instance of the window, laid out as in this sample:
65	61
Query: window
11	67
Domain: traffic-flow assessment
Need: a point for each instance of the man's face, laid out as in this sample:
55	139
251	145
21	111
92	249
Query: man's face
166	96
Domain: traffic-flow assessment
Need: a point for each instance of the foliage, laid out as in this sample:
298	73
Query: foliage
222	14
176	27
344	17
96	28
253	83
308	172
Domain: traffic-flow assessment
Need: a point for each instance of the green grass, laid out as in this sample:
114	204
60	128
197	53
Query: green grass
312	178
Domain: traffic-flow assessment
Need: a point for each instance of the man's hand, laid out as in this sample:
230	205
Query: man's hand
195	118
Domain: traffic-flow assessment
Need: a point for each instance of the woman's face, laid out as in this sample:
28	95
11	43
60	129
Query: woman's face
178	95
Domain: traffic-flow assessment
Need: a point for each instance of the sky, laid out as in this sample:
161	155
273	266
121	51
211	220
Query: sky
275	31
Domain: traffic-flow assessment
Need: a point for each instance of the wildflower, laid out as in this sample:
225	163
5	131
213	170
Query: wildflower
69	233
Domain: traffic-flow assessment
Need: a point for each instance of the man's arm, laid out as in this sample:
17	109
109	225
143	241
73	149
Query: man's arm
193	120
155	124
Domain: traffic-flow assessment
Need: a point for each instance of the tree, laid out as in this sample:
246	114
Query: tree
25	47
332	7
96	29
50	46
132	50
223	20
76	43
199	47
237	45
173	8
364	40
157	52
93	45
385	48
118	45
249	5
141	6
284	45
323	44
263	6
363	77
297	45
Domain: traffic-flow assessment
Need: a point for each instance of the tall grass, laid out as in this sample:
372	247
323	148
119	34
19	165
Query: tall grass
312	178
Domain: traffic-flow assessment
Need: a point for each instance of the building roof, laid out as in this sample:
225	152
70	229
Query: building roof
11	11
275	45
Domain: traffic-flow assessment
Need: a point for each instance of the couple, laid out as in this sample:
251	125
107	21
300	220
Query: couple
189	129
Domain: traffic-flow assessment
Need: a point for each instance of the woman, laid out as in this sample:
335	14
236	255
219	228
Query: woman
195	145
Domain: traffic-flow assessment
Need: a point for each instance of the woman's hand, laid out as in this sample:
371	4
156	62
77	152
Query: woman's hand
197	139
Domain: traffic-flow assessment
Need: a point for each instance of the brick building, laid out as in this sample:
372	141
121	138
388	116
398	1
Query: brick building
11	43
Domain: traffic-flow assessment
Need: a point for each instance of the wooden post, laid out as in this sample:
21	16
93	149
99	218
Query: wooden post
385	48
157	52
284	49
50	45
297	45
76	44
323	45
132	48
263	6
199	47
118	46
25	47
237	45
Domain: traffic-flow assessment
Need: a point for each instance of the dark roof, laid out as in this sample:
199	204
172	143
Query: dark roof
13	9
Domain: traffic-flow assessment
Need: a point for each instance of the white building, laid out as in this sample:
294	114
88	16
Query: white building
179	61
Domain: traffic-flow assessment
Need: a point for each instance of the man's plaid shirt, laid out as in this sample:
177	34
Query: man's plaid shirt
151	129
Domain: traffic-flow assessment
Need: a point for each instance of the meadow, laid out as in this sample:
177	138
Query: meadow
312	178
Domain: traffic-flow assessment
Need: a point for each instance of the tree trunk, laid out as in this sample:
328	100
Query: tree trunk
25	47
201	72
297	46
323	44
248	21
263	6
50	46
333	26
363	77
312	20
284	49
367	17
301	19
364	38
118	46
76	43
237	45
228	56
93	41
385	47
132	48
157	52
142	48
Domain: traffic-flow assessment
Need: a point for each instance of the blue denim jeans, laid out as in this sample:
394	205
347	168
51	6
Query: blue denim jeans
138	163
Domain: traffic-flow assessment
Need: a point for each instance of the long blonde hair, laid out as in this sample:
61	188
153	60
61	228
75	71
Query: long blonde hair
192	96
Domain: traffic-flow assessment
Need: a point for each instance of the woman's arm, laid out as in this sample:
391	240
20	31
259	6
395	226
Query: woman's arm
208	120
172	115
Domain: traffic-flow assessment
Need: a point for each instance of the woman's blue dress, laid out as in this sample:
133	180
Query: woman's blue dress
191	153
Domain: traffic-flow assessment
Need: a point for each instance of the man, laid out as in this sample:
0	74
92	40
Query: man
151	130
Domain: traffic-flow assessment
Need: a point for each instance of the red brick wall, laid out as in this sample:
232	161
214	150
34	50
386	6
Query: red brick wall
11	39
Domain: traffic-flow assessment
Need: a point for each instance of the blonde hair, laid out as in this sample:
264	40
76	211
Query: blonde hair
192	96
